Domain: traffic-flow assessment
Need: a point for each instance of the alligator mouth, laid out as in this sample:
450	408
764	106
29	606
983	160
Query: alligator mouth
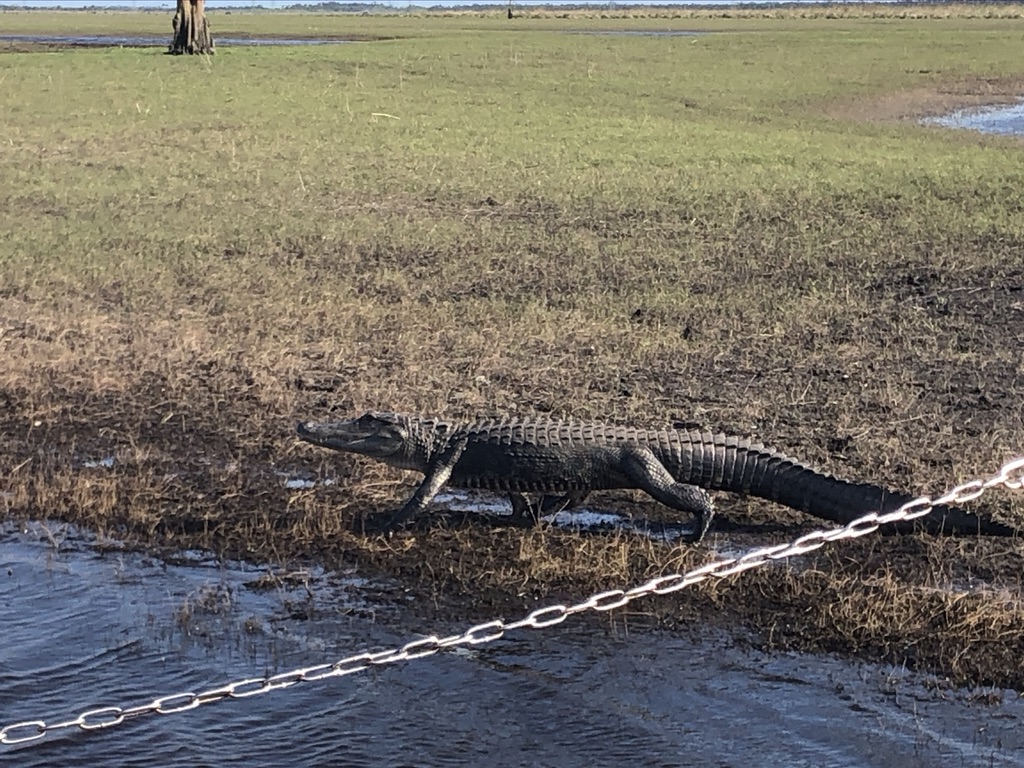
347	436
326	434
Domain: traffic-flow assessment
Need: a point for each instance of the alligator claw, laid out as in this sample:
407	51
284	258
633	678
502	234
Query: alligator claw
700	529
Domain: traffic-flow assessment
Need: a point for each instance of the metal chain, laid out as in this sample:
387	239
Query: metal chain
1011	475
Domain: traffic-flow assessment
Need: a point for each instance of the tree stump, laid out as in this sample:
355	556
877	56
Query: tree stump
191	29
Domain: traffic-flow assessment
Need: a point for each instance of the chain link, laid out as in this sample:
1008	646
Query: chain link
1011	476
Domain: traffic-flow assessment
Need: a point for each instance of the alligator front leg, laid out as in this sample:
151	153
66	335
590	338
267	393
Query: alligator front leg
650	475
437	475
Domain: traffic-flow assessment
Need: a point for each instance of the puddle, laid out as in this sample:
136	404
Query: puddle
580	518
295	483
117	41
1006	120
107	462
465	501
86	626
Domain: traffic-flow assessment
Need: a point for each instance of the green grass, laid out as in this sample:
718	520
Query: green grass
258	147
576	120
506	183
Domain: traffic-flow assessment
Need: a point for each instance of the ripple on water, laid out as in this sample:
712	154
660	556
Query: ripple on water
84	627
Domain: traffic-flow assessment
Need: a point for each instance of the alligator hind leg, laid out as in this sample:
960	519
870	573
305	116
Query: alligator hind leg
650	475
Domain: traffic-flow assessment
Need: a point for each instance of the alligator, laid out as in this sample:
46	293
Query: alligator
565	460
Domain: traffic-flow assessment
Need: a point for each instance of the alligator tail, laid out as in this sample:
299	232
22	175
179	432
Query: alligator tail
737	465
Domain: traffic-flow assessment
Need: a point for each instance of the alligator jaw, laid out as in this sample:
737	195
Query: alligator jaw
365	435
337	435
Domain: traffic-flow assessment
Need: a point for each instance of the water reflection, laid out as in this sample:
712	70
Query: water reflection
144	41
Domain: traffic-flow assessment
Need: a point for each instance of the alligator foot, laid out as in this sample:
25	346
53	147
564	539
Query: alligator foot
701	524
524	514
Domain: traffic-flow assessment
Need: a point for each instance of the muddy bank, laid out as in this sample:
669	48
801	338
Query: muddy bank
936	96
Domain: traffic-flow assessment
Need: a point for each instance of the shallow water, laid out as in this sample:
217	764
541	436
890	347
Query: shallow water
141	41
579	518
85	628
1007	119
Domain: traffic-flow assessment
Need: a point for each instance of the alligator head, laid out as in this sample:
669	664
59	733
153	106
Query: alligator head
378	435
387	437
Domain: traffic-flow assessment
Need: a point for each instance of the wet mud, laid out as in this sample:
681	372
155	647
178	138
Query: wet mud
935	98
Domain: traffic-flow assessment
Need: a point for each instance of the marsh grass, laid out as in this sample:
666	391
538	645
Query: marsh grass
735	230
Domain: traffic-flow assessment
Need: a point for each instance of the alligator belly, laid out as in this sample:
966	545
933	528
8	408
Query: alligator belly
538	469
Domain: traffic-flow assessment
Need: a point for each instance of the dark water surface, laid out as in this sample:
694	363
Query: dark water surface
84	628
1007	119
143	41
